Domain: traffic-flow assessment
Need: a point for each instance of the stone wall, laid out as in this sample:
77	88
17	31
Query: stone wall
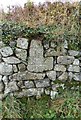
31	67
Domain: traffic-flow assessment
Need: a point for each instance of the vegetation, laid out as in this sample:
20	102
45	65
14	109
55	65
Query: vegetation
53	21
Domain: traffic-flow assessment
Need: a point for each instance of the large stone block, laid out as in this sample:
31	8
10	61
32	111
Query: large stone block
35	61
26	76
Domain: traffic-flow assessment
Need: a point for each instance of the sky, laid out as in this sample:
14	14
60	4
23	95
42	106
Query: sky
5	3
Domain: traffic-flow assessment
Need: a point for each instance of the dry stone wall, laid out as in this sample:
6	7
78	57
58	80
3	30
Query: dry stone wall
31	67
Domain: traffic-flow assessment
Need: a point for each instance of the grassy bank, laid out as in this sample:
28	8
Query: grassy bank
65	105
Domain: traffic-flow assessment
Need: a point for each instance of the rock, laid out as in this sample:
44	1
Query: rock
26	76
73	68
70	75
12	44
5	80
6	51
15	68
53	44
76	77
42	83
11	87
0	78
51	52
55	86
53	94
21	54
21	67
65	44
59	68
46	44
76	62
29	92
1	87
64	76
66	60
51	75
35	61
11	60
47	91
0	58
22	43
1	44
48	63
29	84
73	53
5	69
20	84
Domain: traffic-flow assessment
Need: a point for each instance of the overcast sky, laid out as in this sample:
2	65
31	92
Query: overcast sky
5	3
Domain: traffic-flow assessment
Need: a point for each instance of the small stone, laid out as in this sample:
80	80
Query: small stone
65	60
76	62
12	44
20	84
53	94
15	68
59	68
5	69
73	68
53	44
70	75
11	60
21	54
64	76
21	67
73	53
42	83
5	79
76	77
6	51
51	52
0	58
29	84
22	43
11	87
0	78
1	87
48	63
47	91
51	75
65	44
1	44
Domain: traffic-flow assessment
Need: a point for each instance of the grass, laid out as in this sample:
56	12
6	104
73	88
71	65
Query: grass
65	105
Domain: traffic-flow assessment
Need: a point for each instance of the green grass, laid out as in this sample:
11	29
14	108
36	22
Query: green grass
65	105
